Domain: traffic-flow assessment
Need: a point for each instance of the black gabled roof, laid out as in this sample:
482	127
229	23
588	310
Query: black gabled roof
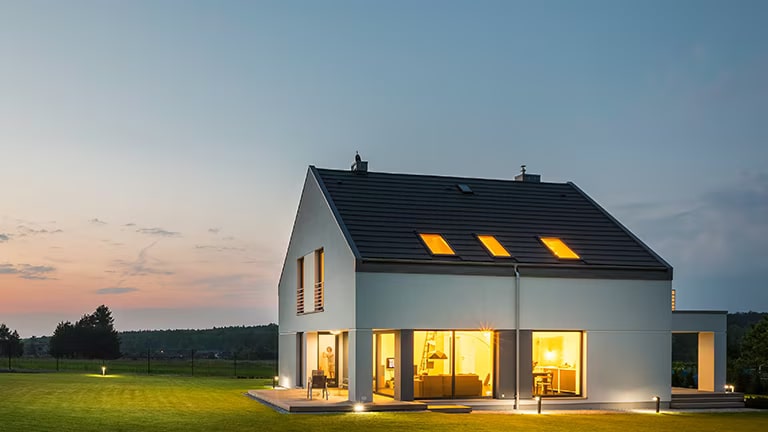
381	214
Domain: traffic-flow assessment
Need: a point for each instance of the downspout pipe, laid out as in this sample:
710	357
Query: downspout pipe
517	338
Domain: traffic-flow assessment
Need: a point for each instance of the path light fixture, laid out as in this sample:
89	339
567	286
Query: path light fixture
103	370
275	381
538	404
359	407
658	403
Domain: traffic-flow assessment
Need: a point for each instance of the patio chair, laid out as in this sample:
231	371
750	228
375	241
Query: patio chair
318	381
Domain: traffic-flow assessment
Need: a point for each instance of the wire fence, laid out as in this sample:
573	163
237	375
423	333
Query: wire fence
153	365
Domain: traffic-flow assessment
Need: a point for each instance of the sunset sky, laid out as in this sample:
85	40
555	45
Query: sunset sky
152	152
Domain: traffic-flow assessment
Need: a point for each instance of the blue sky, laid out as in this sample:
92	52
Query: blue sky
153	151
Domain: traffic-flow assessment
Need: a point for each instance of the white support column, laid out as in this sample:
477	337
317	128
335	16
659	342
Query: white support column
721	341
287	367
361	365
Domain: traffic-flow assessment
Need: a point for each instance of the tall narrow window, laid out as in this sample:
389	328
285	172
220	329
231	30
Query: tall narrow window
319	280
300	286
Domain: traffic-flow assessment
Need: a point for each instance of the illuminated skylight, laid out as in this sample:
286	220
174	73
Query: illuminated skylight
493	246
436	244
559	248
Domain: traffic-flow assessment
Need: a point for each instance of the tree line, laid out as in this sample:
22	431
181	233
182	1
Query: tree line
92	337
10	344
244	342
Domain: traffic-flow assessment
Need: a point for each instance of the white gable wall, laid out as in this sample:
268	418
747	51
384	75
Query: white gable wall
314	228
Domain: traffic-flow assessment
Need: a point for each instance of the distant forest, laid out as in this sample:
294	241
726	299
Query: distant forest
245	343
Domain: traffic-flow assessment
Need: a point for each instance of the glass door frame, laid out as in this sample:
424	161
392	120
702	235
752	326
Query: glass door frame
377	354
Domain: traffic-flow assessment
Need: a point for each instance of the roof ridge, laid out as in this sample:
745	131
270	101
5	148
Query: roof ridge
434	176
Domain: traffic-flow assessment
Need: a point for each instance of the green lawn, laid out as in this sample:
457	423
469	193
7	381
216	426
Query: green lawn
77	402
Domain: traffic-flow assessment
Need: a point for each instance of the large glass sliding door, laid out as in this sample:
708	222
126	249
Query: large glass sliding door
453	364
474	361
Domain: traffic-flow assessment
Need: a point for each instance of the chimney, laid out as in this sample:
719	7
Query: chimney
527	178
360	166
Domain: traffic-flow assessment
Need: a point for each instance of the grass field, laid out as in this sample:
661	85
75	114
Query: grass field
79	402
200	367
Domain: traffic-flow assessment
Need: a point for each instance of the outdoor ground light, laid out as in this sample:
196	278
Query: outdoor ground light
729	388
359	407
274	381
658	403
538	404
103	370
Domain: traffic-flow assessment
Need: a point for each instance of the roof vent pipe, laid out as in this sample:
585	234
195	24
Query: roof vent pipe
527	178
360	166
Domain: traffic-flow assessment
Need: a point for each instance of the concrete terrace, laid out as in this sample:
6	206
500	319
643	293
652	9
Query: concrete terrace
295	401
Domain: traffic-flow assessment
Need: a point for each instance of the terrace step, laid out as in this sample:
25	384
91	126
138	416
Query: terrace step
449	408
705	400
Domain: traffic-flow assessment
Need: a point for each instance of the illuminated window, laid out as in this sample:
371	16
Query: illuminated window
559	248
319	280
556	363
436	244
452	364
493	246
300	286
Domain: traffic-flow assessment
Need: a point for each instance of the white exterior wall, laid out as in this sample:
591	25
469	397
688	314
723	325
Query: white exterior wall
286	362
694	322
626	322
425	301
314	228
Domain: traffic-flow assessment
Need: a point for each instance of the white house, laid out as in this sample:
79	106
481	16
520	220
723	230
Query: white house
430	287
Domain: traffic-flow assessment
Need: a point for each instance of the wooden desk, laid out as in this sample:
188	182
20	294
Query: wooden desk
563	379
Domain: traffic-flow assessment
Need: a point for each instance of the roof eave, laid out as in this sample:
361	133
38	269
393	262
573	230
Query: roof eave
393	265
622	227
